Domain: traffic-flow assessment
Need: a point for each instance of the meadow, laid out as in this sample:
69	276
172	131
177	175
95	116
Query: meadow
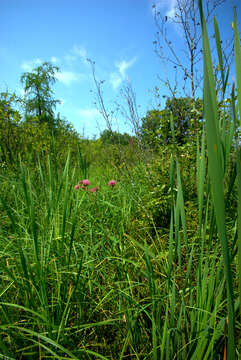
147	266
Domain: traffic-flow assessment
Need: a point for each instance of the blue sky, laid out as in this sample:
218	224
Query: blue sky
117	34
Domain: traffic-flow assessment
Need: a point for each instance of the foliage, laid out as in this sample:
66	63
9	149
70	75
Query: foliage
186	113
109	137
39	99
146	269
10	141
151	127
39	138
40	132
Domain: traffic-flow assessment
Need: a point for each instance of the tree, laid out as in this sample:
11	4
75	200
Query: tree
110	137
156	125
151	127
9	127
185	61
39	99
187	114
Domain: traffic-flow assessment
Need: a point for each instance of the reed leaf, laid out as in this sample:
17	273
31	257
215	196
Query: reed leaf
215	171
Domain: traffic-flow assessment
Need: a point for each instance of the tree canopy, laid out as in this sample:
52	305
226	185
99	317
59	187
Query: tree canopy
39	130
156	125
39	100
113	137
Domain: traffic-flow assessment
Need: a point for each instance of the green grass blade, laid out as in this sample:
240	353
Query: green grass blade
180	204
215	171
201	170
220	55
237	50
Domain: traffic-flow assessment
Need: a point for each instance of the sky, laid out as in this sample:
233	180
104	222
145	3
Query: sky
117	35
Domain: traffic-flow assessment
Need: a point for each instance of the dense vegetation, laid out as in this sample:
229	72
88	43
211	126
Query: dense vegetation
144	267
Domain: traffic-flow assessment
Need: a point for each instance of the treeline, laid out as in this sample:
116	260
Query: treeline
29	128
28	125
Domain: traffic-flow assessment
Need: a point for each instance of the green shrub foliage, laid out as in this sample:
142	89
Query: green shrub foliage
187	115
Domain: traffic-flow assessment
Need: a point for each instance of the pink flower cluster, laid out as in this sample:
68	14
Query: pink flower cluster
94	189
111	183
84	183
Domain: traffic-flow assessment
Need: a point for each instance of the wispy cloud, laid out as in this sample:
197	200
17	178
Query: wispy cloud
68	77
69	58
172	9
76	53
115	80
117	77
167	6
81	52
65	77
31	64
90	121
54	60
88	114
124	65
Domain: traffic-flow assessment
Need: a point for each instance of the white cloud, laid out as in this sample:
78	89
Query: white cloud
69	58
167	6
124	65
115	80
117	77
68	77
54	59
89	114
77	52
29	65
172	9
90	121
81	52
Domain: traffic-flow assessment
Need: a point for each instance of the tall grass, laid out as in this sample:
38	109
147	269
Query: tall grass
84	277
216	171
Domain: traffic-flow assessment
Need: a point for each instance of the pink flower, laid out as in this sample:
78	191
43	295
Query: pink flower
94	189
76	187
85	182
111	183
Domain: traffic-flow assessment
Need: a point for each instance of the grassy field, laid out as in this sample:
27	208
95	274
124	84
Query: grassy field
148	267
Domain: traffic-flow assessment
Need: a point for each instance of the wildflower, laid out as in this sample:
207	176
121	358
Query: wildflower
85	182
94	189
111	183
76	187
